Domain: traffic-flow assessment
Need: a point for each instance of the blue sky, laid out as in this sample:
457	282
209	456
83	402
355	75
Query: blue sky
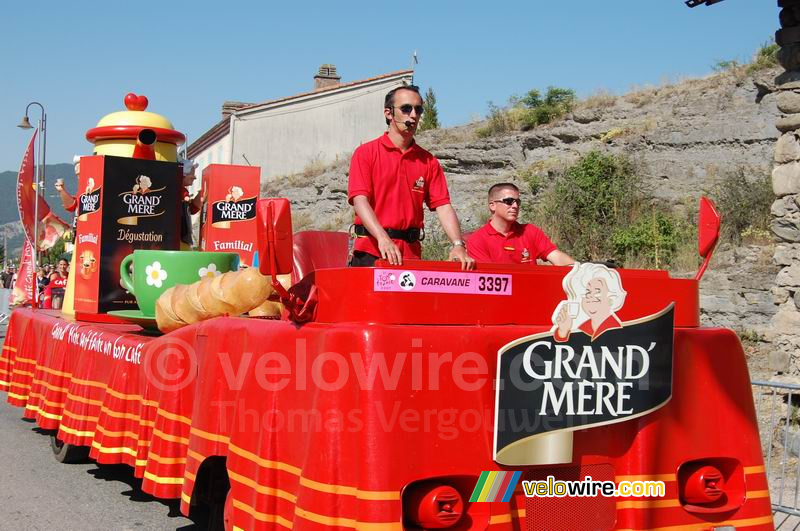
80	58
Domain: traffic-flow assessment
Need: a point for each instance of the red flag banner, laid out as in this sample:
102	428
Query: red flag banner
23	289
26	192
51	228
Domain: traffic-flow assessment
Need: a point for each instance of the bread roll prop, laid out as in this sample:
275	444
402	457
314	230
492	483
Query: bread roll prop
251	288
181	306
166	319
193	296
267	309
232	293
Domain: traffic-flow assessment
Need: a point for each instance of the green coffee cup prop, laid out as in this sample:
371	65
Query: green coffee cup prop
156	271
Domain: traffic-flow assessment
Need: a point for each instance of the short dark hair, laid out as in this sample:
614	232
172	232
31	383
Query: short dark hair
388	101
502	186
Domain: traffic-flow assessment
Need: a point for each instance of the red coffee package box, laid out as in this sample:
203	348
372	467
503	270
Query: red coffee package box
123	204
229	210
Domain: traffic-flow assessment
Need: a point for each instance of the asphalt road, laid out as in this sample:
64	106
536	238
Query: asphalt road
37	492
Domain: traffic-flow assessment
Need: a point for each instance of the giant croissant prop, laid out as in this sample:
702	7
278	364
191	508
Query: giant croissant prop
232	293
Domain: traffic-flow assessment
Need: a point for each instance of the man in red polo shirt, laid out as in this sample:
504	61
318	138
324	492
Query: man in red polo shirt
504	241
391	178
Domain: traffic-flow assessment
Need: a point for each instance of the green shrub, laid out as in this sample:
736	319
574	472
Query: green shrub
528	111
744	206
652	239
765	57
538	111
498	122
724	65
596	210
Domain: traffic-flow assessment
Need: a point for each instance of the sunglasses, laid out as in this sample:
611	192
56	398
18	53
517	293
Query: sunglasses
407	108
509	201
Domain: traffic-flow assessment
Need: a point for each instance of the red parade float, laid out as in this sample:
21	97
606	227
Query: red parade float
381	395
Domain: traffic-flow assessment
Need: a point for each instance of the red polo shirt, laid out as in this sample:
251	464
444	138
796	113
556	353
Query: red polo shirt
523	244
396	183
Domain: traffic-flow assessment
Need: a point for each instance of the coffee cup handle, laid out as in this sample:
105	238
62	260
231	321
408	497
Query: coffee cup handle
124	274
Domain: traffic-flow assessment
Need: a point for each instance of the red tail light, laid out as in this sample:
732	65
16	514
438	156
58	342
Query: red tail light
705	485
711	485
433	506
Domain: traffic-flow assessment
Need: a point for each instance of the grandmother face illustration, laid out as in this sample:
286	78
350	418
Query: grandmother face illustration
594	293
234	193
143	184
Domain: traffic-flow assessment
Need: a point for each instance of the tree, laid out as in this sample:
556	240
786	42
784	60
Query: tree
430	116
54	253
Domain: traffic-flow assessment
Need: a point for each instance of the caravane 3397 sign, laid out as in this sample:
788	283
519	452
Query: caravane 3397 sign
591	369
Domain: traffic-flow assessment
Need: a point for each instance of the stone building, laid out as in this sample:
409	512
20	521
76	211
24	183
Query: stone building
286	135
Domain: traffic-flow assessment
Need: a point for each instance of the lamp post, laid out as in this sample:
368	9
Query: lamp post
40	183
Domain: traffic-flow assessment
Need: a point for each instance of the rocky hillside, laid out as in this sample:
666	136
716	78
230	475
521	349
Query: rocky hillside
683	138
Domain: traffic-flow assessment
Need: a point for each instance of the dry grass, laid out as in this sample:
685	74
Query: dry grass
339	222
600	99
451	135
641	97
302	220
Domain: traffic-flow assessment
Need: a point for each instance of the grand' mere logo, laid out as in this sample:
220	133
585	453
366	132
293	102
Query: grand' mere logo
234	207
142	200
89	200
590	369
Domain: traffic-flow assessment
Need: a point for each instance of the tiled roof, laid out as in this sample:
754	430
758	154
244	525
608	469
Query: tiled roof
327	89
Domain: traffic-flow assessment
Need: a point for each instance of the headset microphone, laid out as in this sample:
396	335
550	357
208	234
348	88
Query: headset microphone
409	123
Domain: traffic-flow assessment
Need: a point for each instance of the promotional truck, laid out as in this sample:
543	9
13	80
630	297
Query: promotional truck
417	396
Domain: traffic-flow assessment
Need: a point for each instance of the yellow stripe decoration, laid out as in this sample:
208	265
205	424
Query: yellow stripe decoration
108	450
196	456
18	397
262	489
173	416
53	388
262	517
213	437
67	429
163	481
117	434
79	417
172	438
346	522
45	414
82	400
260	461
55	372
506	518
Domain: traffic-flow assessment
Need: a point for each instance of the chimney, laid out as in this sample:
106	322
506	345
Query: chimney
229	107
326	77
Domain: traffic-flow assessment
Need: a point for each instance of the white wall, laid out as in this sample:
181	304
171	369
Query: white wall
216	153
285	137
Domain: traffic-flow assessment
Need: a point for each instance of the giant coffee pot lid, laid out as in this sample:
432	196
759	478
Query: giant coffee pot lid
118	133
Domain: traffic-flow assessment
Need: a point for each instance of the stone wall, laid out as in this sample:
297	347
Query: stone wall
785	333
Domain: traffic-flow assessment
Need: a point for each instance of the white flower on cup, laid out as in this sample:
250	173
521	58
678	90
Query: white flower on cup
155	275
209	271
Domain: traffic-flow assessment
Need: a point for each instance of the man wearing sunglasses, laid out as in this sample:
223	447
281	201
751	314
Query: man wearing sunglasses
502	240
391	180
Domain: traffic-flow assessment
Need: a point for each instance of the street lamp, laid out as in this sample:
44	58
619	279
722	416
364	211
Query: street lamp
40	183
